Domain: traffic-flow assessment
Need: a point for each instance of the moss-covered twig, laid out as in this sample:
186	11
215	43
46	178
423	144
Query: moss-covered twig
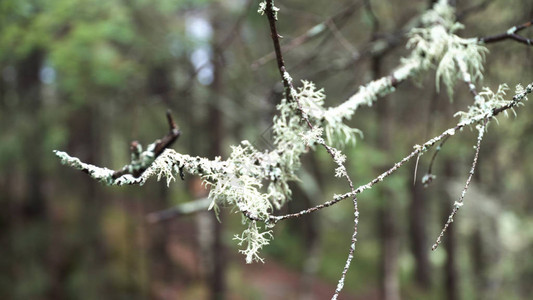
140	160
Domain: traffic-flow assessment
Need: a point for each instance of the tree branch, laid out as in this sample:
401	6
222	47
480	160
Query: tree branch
132	173
457	205
179	210
419	149
338	158
311	33
158	147
510	34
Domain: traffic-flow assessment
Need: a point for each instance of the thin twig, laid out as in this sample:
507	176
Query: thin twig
309	34
288	83
271	15
340	284
160	145
429	174
457	205
179	210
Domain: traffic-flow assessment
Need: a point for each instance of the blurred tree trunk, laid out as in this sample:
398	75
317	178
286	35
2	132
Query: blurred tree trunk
479	263
86	140
387	215
312	195
29	91
216	137
419	239
24	211
160	85
452	277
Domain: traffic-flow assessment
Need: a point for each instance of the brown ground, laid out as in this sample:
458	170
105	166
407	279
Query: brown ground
270	280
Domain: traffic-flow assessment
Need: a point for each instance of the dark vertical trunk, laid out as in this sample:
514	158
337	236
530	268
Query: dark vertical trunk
312	195
216	137
29	91
479	263
85	143
451	281
390	288
160	85
387	216
7	200
419	239
31	215
451	272
159	235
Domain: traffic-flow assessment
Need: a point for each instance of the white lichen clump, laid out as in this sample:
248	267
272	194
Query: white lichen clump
488	101
263	6
254	240
433	46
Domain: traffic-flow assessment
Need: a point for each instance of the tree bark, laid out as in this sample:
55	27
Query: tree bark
216	129
387	215
452	279
419	239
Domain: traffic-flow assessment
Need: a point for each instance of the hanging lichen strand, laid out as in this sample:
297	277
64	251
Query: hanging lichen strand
255	183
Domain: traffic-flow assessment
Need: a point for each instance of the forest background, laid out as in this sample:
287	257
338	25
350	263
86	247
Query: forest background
89	77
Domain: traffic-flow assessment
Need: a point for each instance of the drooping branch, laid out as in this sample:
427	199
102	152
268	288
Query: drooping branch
457	205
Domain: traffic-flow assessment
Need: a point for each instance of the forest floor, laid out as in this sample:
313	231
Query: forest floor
270	280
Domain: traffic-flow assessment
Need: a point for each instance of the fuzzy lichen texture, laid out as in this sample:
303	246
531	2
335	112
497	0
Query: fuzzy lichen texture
253	182
490	103
434	42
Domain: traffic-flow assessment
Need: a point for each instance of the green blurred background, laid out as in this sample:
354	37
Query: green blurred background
89	76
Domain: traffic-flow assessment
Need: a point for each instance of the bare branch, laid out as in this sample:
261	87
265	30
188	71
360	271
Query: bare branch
313	32
159	146
510	34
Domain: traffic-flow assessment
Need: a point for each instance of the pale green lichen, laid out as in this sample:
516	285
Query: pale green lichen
263	6
312	101
484	104
433	45
489	102
100	174
254	240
